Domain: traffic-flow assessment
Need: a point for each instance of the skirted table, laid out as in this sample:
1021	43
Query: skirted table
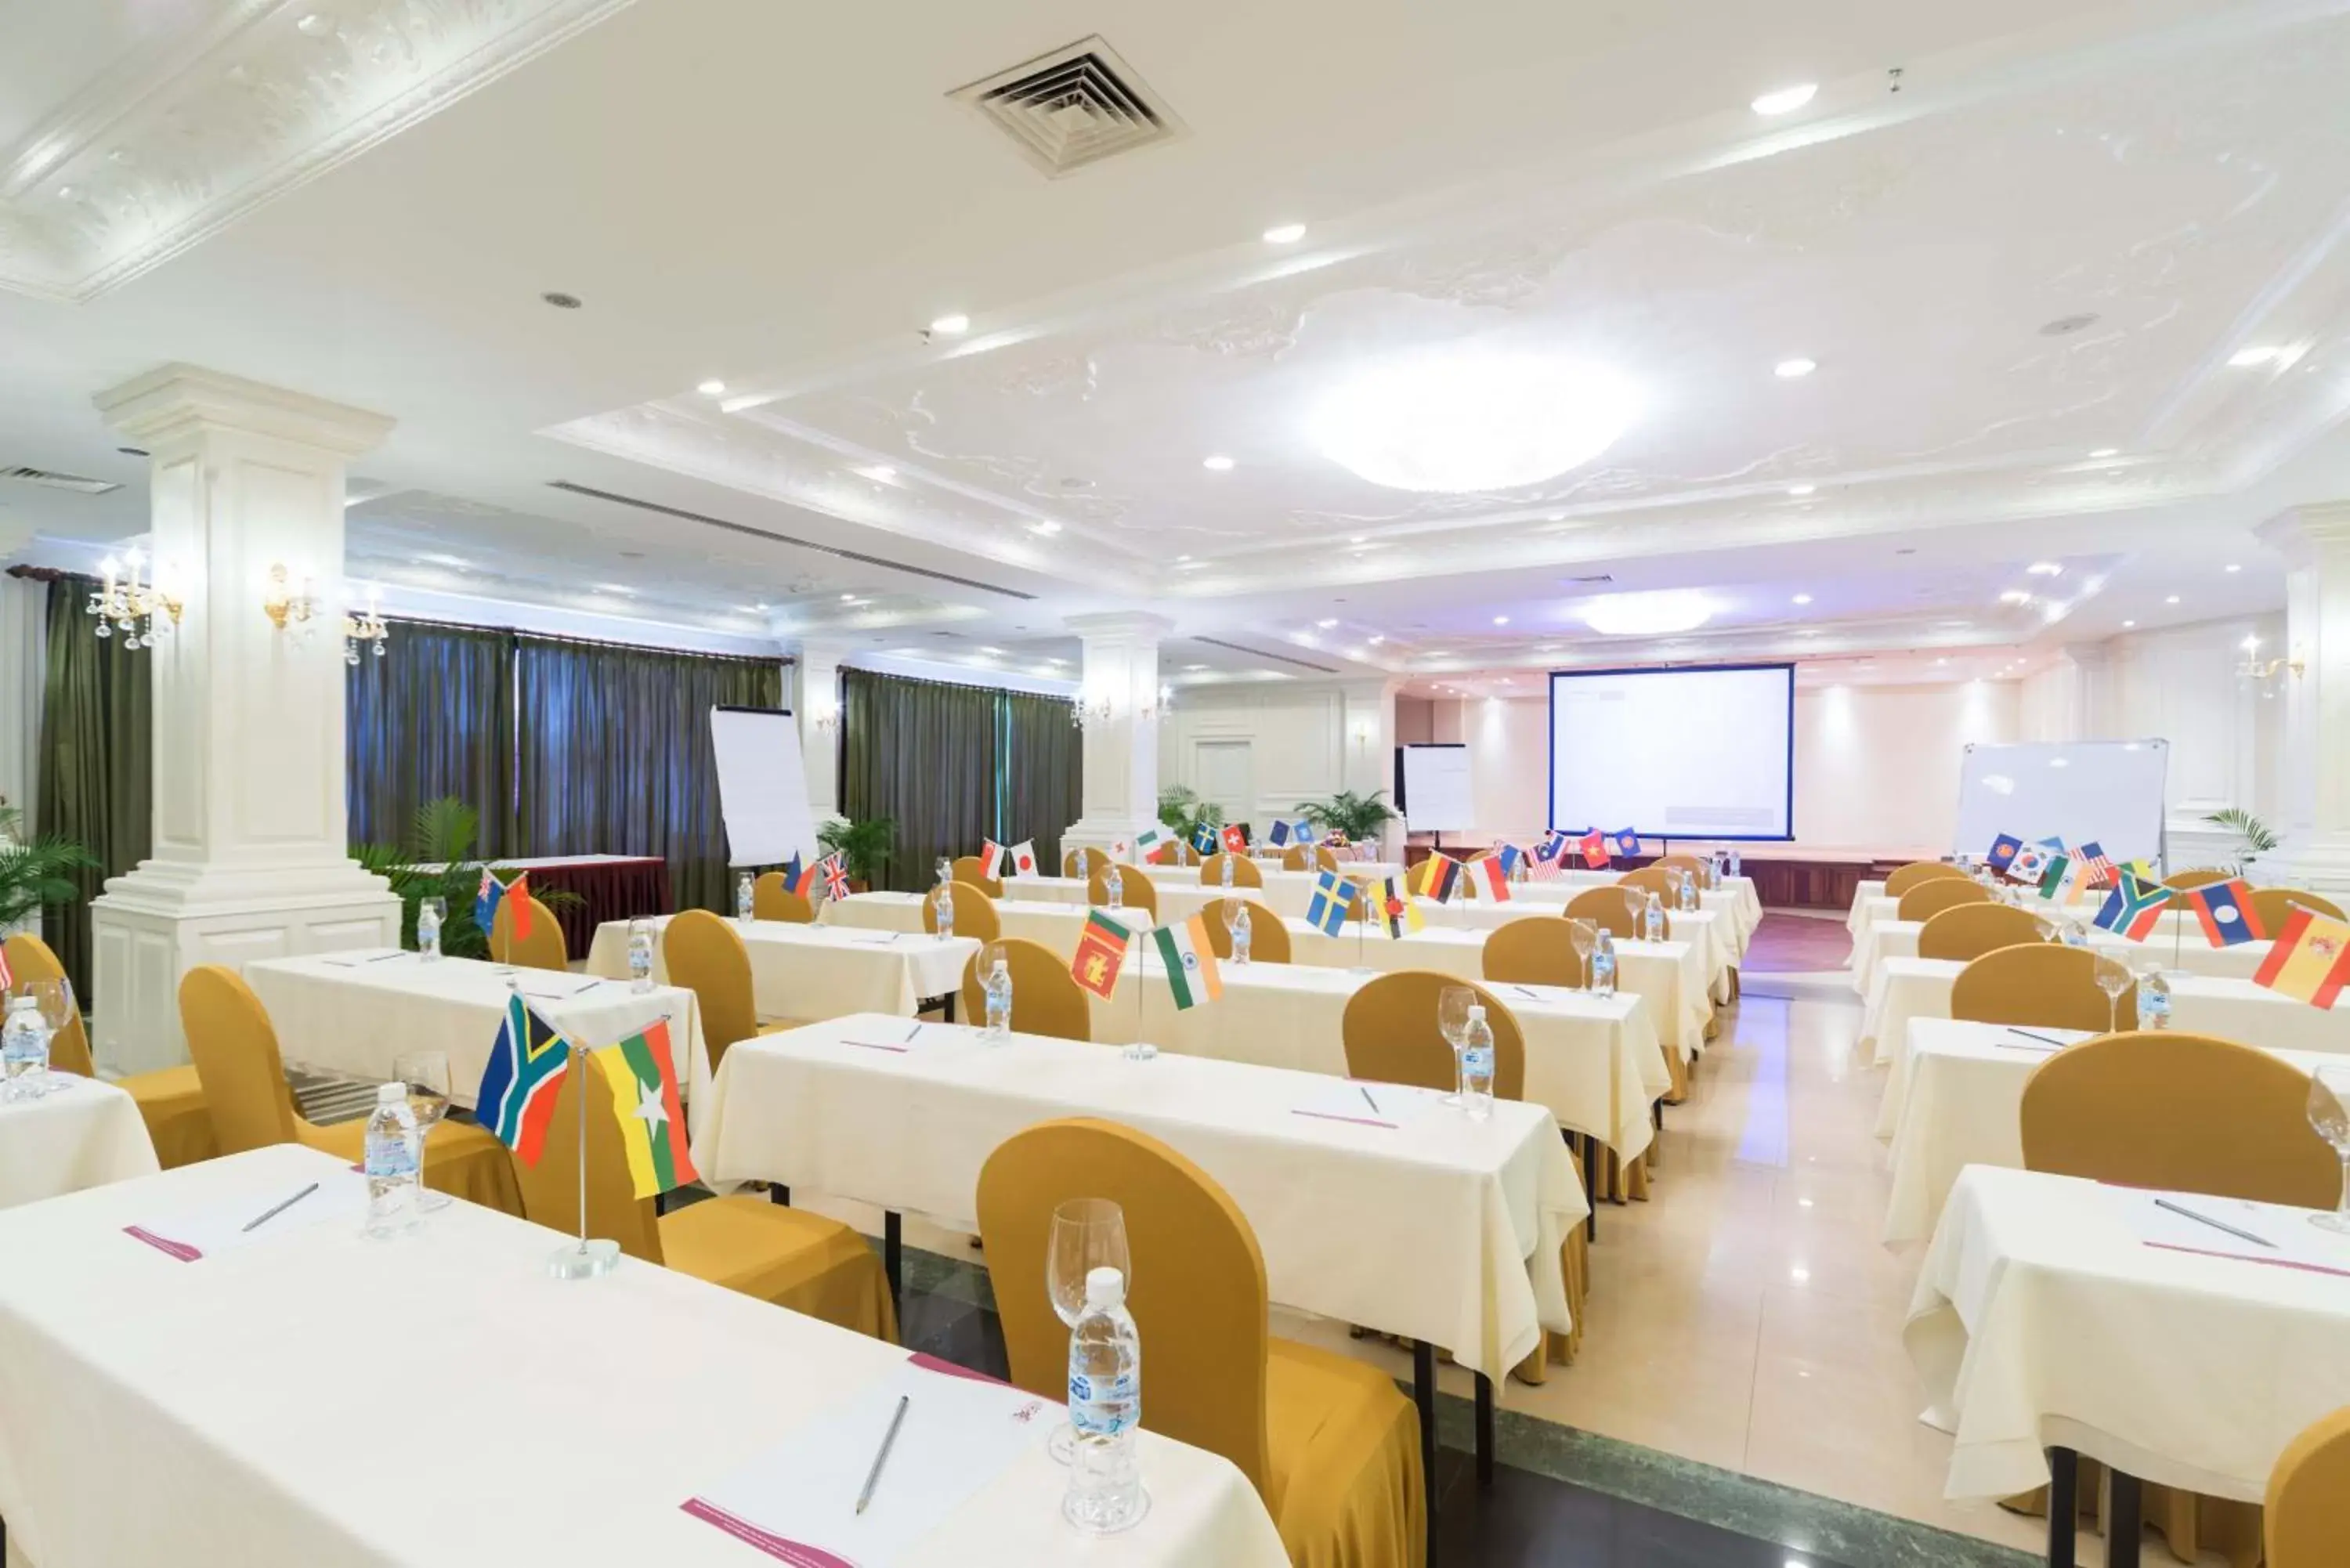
609	888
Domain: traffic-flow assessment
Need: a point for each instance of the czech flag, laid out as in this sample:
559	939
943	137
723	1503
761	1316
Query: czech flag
2227	913
2311	960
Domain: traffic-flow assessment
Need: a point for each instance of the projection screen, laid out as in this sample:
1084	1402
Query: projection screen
1704	753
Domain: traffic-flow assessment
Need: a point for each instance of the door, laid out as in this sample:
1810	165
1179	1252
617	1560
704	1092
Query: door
1225	775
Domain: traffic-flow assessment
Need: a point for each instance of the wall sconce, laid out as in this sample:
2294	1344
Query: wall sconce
1084	710
282	604
2253	668
367	626
127	604
824	716
1361	730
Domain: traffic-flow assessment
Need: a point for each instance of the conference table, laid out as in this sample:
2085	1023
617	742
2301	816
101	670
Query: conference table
2179	951
609	887
1055	926
1960	1104
2054	1311
489	1414
84	1132
802	970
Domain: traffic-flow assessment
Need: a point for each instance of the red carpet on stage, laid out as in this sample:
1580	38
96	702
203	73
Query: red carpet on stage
1797	944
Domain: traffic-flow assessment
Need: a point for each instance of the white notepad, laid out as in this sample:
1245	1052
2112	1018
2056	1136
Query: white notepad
219	1227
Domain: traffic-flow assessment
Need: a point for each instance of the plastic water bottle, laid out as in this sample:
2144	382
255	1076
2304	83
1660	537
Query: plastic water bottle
999	1001
391	1164
1228	873
1687	886
428	931
1603	963
1477	1065
1105	1490
1241	934
2154	1002
946	910
24	1051
1113	888
1733	864
1652	918
641	955
742	898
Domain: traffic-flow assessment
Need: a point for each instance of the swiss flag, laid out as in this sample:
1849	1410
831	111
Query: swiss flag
1235	841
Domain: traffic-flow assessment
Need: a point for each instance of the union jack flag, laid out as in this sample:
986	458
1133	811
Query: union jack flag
835	878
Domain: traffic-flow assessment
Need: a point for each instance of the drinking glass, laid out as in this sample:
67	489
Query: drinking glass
426	1074
2112	978
1584	936
2329	1113
1089	1233
54	999
1452	1005
1231	911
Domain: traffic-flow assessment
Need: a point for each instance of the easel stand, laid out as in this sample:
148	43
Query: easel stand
588	1259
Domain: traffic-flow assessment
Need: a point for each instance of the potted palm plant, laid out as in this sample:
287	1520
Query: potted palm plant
1359	816
37	871
2256	837
1181	810
437	863
864	848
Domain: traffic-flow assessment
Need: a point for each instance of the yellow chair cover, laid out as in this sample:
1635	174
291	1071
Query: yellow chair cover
1046	997
1649	880
1904	878
543	949
1609	908
2276	906
1533	949
1083	862
1679	863
787	1256
1330	1443
1268	937
2046	983
2201	877
975	913
704	954
252	1106
1391	1034
1245	873
1935	894
1134	892
1325	857
170	1101
772	898
966	869
2308	1510
1970	930
1293	859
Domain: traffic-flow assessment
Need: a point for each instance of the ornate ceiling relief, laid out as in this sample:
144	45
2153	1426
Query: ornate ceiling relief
202	127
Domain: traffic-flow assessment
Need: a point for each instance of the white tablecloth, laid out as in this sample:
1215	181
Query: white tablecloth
2189	954
1865	908
84	1133
1441	1229
1736	894
1962	1104
337	1015
1057	926
805	972
1593	1061
2040	1319
1284	892
154	1411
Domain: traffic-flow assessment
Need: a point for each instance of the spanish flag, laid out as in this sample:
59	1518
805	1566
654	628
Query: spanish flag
2310	960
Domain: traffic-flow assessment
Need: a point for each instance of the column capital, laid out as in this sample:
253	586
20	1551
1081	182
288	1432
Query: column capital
2301	534
1137	625
2087	655
179	400
822	649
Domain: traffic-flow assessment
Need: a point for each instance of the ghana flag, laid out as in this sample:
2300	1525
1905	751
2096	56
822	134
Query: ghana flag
642	1074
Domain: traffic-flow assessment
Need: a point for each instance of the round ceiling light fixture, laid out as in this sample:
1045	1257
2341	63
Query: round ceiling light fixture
1648	615
1786	99
1285	233
1456	422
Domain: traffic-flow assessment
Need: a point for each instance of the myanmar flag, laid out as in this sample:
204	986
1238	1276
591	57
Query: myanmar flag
2310	959
643	1072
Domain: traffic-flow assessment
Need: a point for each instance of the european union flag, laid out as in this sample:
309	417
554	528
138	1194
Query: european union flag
1278	835
1326	911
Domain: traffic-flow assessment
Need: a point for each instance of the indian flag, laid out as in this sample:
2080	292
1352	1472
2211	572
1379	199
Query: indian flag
1190	961
642	1075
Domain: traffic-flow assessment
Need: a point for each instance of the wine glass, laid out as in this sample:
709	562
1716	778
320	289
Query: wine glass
2112	978
54	1000
1584	936
1089	1233
426	1074
1452	1005
2329	1113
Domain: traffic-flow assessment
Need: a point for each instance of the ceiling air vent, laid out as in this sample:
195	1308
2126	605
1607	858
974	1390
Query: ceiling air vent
1592	577
58	481
1075	106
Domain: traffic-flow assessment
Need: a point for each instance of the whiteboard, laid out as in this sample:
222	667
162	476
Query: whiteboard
2108	792
762	788
1435	794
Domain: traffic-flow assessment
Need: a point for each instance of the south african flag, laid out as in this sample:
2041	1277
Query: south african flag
642	1074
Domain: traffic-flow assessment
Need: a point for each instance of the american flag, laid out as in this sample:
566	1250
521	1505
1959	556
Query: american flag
2097	868
835	878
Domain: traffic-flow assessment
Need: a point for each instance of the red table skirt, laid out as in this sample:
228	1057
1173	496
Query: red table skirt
608	891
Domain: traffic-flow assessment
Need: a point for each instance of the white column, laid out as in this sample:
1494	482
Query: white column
2314	798
1119	694
815	704
250	855
1369	739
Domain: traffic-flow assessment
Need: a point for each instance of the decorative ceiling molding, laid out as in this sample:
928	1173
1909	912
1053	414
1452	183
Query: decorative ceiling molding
245	100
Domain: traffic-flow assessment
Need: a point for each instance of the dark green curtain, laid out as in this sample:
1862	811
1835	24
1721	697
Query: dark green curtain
96	750
1043	756
922	754
433	717
614	754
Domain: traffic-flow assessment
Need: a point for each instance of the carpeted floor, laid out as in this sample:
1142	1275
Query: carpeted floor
1797	944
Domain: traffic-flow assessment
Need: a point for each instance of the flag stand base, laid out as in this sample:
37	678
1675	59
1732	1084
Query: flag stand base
583	1260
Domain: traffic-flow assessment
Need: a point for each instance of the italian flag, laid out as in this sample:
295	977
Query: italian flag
1190	961
641	1073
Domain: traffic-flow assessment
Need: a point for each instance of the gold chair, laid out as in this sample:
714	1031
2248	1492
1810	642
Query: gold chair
2201	877
1295	857
1935	894
1649	879
170	1101
251	1105
1533	949
1904	878
2157	1108
789	1256
1046	997
1186	853
1325	857
1268	933
1329	1442
1684	863
1608	907
2308	1513
975	913
966	869
1134	892
1971	931
2043	983
1391	1036
705	954
2276	905
1245	871
772	898
543	949
1083	862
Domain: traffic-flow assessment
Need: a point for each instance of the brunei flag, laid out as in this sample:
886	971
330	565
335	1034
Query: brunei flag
2311	960
1437	877
517	1098
1190	963
641	1073
2226	912
2133	909
1396	911
1326	911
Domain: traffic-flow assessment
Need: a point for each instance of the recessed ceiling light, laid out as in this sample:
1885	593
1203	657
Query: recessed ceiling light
2044	569
1195	668
560	300
1944	660
1801	489
1044	525
2245	358
1325	624
881	472
758	608
1357	538
1459	420
2128	624
951	326
1789	369
1218	464
2171	601
1501	620
2015	597
997	651
2106	452
1803	599
1646	615
614	589
1285	233
314	26
1376	640
2234	567
1192	566
712	388
848	598
1786	99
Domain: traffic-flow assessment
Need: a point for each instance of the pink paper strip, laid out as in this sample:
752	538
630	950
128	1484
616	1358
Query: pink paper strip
750	1534
179	1249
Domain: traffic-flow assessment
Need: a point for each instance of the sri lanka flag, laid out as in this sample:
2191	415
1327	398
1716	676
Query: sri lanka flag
1437	877
641	1071
2133	909
1101	949
1623	841
2002	851
1594	849
1491	878
2311	960
2227	913
1326	910
516	1099
1397	910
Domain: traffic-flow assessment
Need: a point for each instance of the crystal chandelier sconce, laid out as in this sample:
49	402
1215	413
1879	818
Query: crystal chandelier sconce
141	611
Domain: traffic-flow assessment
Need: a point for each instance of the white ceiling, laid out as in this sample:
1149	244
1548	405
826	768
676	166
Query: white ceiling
782	197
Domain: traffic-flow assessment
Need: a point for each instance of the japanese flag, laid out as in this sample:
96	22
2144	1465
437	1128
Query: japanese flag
1023	858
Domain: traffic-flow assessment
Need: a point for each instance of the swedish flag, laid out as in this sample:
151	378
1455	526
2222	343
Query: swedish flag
1327	908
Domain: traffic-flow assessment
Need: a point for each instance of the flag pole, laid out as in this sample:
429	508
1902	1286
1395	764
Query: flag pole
589	1260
